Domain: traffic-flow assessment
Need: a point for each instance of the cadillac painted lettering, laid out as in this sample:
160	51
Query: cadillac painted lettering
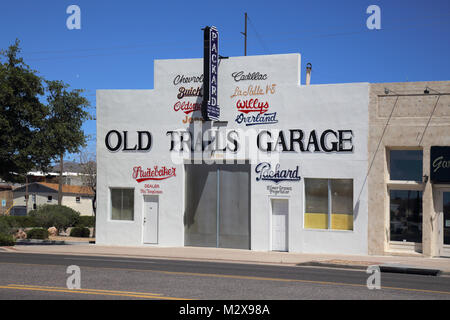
241	76
252	120
155	173
265	173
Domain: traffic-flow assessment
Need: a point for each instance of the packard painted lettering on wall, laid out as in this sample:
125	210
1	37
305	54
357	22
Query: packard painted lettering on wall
265	172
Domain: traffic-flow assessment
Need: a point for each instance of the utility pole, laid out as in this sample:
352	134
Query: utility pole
245	35
60	186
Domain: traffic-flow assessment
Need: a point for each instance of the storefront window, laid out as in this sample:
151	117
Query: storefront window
122	204
329	204
406	215
446	207
316	203
406	165
342	204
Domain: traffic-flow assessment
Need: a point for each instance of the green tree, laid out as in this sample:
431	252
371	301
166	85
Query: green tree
22	117
63	126
50	215
33	134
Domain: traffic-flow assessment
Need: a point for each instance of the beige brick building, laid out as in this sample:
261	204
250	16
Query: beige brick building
408	213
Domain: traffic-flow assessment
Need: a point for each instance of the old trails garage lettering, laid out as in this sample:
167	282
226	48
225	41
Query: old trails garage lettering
155	173
265	173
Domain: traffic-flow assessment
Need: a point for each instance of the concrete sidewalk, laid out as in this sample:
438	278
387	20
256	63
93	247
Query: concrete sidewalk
241	256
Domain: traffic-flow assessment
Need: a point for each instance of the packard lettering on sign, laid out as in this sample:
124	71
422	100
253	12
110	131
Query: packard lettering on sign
210	108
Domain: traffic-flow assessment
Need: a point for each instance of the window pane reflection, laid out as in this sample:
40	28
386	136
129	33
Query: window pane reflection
316	204
447	218
406	215
406	165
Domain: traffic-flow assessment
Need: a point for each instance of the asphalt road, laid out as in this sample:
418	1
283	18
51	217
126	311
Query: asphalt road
42	276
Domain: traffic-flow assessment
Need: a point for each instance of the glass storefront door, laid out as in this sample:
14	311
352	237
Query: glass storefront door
446	214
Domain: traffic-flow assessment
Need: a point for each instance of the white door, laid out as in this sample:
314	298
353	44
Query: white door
151	209
280	210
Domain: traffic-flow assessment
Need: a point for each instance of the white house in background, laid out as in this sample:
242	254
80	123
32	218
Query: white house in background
78	198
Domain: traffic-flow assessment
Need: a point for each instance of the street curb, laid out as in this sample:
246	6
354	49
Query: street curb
391	268
331	265
387	268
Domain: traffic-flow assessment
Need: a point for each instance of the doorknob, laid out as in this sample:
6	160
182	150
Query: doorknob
145	220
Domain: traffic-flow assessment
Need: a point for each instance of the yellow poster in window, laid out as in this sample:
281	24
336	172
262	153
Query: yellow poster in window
316	221
341	221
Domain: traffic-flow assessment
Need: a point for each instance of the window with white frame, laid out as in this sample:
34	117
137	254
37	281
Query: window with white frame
328	204
405	195
122	204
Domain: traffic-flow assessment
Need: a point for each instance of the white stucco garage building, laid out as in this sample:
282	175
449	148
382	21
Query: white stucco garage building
284	169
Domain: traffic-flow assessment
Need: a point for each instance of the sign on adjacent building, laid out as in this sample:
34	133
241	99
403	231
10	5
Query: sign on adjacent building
440	164
210	107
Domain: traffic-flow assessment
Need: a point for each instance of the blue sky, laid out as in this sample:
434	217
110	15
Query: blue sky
119	40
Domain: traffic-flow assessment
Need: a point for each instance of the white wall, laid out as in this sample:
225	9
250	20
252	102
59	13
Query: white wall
315	107
84	206
41	199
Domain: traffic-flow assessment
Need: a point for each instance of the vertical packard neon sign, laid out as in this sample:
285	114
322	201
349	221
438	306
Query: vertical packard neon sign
210	107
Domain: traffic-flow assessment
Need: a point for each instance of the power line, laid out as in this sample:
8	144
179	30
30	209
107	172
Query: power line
378	146
258	36
278	39
330	35
429	119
